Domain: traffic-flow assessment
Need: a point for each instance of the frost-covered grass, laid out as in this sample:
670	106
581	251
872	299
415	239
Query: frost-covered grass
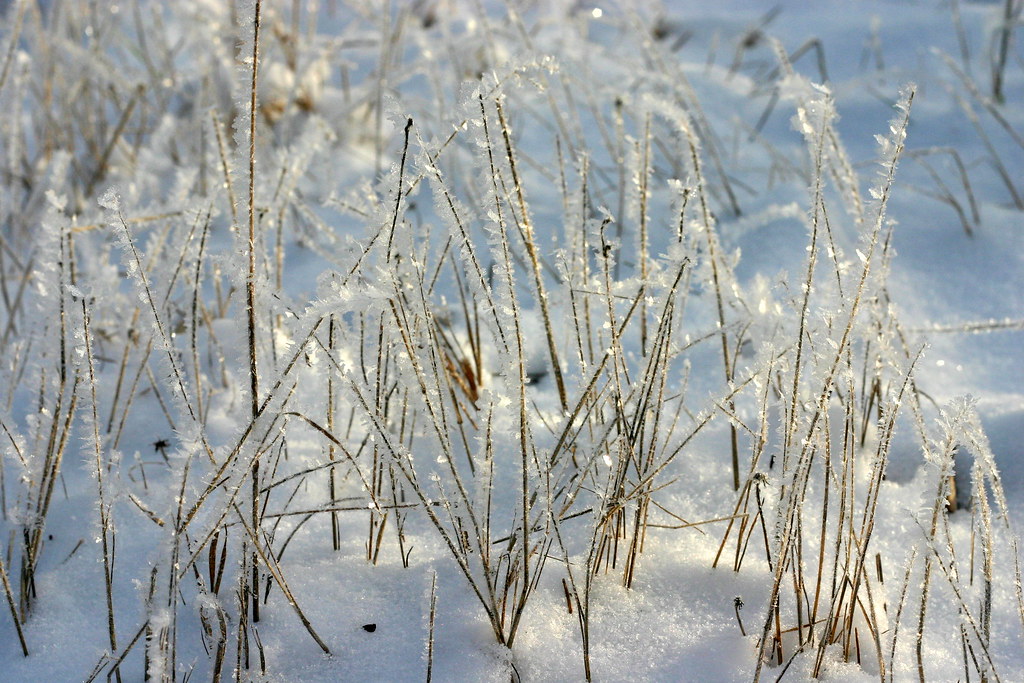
549	341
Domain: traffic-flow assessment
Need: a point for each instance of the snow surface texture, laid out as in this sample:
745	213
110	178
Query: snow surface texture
622	341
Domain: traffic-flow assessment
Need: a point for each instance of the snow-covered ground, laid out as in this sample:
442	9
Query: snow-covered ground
726	299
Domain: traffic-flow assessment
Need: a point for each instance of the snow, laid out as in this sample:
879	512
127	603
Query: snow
788	228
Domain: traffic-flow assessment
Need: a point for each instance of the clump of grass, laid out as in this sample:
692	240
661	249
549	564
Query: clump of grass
495	358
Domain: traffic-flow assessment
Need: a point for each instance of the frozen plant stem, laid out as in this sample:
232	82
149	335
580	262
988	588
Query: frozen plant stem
250	284
106	530
430	627
713	258
531	250
1011	11
250	300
